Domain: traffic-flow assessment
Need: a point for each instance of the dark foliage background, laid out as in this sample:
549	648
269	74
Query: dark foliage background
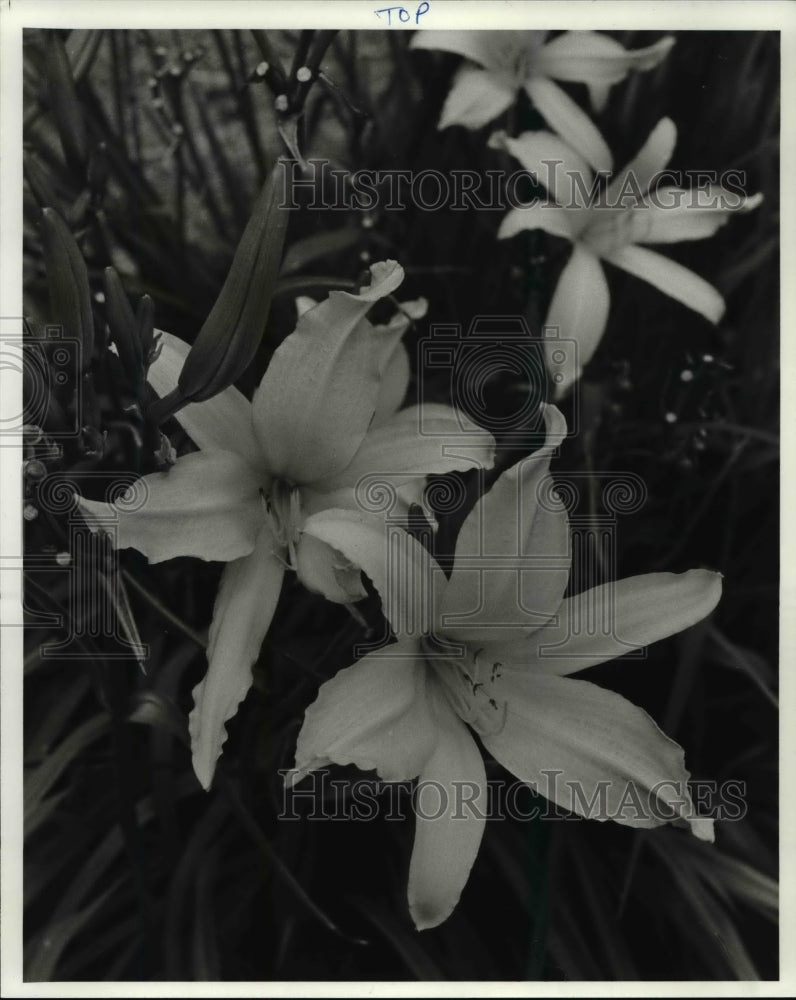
131	871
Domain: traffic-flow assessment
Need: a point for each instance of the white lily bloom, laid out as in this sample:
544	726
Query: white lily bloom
509	61
325	414
607	231
410	710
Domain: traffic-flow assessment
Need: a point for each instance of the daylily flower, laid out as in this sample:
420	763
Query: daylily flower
608	231
496	661
324	415
509	61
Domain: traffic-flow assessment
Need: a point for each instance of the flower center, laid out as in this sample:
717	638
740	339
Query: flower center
520	66
525	59
469	685
513	56
613	228
283	505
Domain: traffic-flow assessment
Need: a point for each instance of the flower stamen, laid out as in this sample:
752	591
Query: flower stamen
283	507
468	684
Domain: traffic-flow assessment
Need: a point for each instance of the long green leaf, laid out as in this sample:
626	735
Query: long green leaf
46	774
50	727
57	936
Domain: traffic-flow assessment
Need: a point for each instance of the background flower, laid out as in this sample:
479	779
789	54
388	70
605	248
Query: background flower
510	61
612	228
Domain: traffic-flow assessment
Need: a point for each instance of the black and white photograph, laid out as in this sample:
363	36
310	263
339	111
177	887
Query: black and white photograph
391	497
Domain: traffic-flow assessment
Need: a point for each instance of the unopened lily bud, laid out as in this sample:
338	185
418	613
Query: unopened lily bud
122	324
145	327
67	279
231	334
39	182
75	215
64	102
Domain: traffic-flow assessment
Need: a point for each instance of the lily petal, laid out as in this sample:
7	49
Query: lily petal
671	278
222	422
383	493
451	808
395	362
207	505
374	714
570	121
550	218
591	736
380	490
244	607
597	60
318	395
653	156
402	571
512	559
477	96
552	161
678	215
324	570
614	618
579	309
303	304
419	440
473	45
393	331
316	501
495	50
394	385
